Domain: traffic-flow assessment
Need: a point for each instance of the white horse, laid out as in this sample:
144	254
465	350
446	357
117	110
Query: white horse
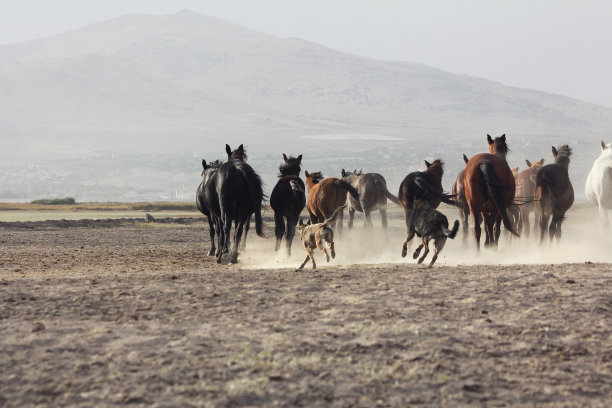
599	183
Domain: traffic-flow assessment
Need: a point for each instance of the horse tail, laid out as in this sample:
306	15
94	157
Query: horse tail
348	187
334	215
452	233
494	186
257	196
426	186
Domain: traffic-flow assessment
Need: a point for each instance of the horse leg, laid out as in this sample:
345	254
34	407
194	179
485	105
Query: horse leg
476	220
291	223
246	232
368	219
498	231
426	246
211	230
279	229
339	221
383	217
351	217
237	238
488	226
226	227
603	213
543	224
525	221
464	214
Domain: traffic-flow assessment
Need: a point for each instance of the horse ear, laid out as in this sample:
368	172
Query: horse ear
554	151
360	171
489	139
603	145
285	158
241	147
228	150
465	159
528	163
299	158
306	173
204	164
542	160
428	164
503	138
343	173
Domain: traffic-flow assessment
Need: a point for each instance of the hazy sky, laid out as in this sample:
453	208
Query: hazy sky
558	46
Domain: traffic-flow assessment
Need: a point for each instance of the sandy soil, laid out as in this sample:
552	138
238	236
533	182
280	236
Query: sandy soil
137	314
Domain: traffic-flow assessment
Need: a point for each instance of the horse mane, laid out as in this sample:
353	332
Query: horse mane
436	168
501	146
289	168
212	165
316	177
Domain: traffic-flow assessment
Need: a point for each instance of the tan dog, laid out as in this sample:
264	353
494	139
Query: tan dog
318	236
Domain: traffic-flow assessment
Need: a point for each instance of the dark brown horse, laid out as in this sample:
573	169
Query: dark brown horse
459	196
325	196
489	190
373	195
525	194
422	188
288	199
554	193
208	203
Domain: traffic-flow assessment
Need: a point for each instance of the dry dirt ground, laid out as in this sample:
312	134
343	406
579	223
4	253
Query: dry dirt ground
137	315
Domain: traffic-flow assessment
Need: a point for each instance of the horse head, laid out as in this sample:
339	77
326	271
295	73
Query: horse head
238	154
291	166
562	155
498	145
435	168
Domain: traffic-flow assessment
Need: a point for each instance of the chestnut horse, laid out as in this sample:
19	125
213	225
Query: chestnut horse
554	193
459	194
525	193
325	196
489	190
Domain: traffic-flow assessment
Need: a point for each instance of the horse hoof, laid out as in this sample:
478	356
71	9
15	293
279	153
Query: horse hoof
420	261
218	261
328	259
333	255
404	253
211	252
234	260
415	255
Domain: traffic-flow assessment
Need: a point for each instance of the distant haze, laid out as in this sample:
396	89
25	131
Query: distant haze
558	46
127	108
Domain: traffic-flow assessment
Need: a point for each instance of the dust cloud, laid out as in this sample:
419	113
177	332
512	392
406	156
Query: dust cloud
584	239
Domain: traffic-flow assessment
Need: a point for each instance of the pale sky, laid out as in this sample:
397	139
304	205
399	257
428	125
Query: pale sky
557	46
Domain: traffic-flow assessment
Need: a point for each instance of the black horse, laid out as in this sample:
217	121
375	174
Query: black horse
288	199
240	193
554	193
208	202
239	154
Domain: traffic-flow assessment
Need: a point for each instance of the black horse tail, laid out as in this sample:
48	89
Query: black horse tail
494	186
257	195
334	215
348	187
426	186
452	233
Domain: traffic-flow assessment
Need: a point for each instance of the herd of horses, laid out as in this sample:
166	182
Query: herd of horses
486	191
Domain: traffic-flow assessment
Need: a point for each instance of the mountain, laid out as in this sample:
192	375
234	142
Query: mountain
187	83
185	79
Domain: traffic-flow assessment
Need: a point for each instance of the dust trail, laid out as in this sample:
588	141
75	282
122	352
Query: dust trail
583	240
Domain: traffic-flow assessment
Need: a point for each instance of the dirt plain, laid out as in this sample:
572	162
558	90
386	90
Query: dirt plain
135	314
